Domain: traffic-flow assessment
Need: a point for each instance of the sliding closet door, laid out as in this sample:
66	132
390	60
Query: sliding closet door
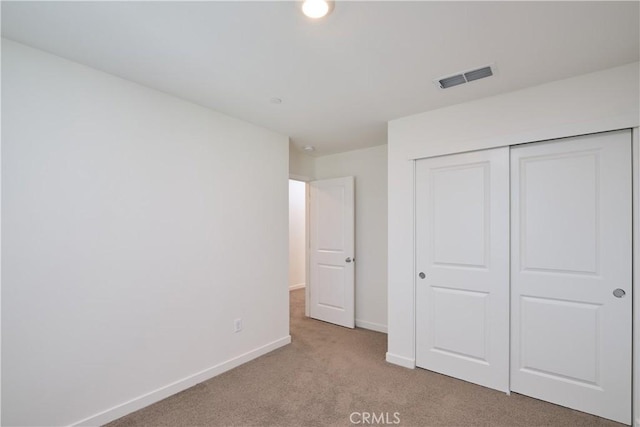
571	273
462	261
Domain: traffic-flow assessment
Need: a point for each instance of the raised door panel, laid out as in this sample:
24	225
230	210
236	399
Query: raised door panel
460	323
567	215
330	224
460	204
544	326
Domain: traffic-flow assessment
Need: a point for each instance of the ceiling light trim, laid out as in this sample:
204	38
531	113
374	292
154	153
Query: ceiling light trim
317	9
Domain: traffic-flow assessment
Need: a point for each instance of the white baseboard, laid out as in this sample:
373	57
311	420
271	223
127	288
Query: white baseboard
405	362
378	327
298	286
178	386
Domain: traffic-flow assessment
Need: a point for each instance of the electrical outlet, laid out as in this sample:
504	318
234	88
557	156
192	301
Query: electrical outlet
237	325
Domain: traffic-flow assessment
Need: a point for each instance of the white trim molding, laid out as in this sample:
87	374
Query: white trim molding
625	121
178	386
378	327
405	362
302	178
635	392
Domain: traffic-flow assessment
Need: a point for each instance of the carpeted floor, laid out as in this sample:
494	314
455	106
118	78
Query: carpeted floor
331	376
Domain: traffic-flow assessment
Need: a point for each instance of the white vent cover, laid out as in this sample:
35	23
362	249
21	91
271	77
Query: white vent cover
465	77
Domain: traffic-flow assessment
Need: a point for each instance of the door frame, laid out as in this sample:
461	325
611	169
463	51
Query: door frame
635	308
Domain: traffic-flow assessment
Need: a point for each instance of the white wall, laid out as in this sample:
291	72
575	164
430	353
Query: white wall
595	102
129	218
297	234
369	167
301	165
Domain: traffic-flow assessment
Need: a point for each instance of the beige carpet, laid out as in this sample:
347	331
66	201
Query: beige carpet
328	373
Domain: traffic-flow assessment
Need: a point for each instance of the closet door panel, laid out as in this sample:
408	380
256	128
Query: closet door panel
462	289
570	265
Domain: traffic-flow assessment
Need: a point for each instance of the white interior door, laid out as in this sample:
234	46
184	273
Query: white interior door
332	260
462	261
571	265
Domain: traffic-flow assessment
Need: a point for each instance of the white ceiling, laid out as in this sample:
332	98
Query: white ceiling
340	79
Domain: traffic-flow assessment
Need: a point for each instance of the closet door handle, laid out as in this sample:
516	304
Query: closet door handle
422	275
619	293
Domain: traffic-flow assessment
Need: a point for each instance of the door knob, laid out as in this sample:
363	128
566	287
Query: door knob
422	275
348	259
619	293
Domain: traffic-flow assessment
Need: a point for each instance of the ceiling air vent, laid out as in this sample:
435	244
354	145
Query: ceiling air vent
465	77
452	81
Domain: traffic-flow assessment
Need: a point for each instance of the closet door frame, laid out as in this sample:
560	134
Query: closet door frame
635	170
547	135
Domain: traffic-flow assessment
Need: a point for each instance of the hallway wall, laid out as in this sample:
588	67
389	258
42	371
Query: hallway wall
297	234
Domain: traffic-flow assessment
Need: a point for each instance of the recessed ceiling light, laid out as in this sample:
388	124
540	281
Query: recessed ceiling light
309	148
275	101
317	8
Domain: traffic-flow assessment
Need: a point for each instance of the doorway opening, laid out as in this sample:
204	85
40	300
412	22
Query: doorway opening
298	237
